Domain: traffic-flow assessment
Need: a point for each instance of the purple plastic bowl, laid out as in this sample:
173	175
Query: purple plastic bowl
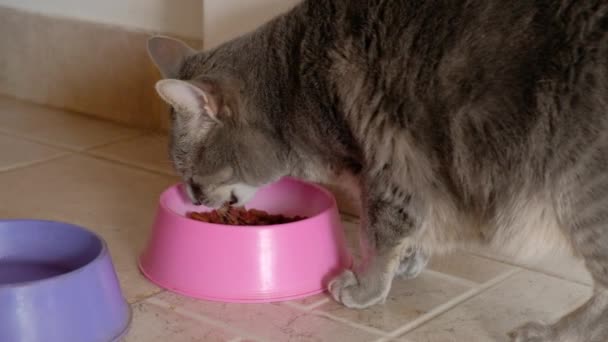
58	284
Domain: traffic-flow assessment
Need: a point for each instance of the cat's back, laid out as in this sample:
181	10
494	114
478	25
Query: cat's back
499	93
431	58
461	41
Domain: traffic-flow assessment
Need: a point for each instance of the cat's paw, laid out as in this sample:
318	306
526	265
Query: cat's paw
411	266
341	283
347	290
531	332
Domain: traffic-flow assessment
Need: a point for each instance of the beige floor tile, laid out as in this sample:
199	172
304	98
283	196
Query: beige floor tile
148	151
125	246
15	152
469	267
116	201
153	323
567	267
312	301
408	300
84	190
561	265
57	127
490	316
270	321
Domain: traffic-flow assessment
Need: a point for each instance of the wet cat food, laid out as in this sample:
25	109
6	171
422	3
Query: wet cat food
239	216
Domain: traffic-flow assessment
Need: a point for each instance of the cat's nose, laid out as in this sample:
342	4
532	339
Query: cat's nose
233	199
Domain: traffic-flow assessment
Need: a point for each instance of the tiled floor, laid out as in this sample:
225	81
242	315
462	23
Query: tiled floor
60	166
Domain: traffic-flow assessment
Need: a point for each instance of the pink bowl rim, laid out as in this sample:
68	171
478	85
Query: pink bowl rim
332	206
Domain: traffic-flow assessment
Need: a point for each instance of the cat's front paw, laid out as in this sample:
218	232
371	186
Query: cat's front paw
347	290
412	265
531	332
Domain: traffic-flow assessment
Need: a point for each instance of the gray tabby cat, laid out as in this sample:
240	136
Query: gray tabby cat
462	121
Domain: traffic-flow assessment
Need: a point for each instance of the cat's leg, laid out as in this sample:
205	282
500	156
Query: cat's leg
588	323
388	225
412	263
589	234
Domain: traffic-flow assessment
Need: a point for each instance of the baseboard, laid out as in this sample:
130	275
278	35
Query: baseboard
95	69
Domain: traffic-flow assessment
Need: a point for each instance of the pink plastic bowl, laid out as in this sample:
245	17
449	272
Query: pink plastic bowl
248	264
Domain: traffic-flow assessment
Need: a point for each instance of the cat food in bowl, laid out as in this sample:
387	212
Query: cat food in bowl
248	263
242	217
58	284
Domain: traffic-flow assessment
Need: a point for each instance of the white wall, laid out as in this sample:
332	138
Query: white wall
213	20
226	19
178	17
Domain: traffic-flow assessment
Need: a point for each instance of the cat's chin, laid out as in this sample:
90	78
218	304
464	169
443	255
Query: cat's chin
243	194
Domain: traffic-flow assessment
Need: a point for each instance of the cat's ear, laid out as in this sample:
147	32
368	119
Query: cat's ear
196	99
168	54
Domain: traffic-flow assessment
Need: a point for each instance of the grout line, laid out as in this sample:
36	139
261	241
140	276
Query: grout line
392	339
530	268
243	338
557	276
132	165
68	147
145	298
201	318
38	141
128	165
451	277
318	304
117	140
308	307
370	330
449	305
35	162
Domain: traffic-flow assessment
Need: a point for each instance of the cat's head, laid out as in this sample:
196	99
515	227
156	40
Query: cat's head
220	143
